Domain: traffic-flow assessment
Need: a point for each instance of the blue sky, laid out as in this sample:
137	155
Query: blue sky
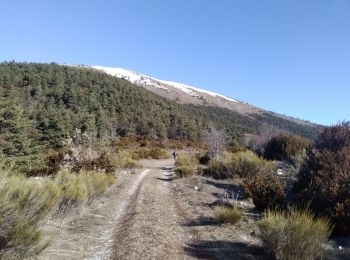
290	56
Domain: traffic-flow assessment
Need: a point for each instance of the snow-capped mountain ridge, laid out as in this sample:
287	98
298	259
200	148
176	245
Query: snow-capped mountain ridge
185	94
143	80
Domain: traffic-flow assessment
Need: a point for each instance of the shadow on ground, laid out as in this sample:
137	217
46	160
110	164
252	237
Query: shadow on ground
228	187
224	250
166	179
202	221
167	168
168	174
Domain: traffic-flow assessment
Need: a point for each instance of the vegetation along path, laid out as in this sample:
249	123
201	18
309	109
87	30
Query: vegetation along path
138	217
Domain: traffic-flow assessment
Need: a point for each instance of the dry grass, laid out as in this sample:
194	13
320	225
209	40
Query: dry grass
242	164
184	171
26	202
295	234
185	166
150	153
77	188
230	215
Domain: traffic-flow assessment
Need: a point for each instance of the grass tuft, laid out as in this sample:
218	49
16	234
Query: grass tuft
294	234
184	166
230	215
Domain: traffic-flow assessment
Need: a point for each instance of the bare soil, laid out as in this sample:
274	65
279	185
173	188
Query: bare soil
152	227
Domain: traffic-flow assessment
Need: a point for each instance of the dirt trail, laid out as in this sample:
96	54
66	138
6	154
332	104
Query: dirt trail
152	229
137	218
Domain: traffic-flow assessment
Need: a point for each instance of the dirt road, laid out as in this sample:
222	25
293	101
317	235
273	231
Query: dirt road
152	228
138	218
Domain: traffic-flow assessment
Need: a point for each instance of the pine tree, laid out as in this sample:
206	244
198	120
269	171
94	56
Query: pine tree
14	129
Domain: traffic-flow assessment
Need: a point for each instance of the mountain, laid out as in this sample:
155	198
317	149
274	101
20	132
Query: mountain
42	104
186	94
180	92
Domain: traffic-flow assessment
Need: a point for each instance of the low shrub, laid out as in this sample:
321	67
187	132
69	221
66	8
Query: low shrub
241	164
230	215
266	190
73	157
294	234
23	205
149	153
184	171
86	152
185	160
324	180
185	165
76	188
26	202
123	160
96	183
286	147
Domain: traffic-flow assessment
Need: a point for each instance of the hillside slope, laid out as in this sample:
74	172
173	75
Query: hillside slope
41	104
179	92
185	94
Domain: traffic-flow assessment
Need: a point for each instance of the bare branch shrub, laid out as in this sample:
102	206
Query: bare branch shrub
86	152
215	140
258	142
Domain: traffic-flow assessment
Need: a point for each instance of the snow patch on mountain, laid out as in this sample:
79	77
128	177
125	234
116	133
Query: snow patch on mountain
189	90
140	79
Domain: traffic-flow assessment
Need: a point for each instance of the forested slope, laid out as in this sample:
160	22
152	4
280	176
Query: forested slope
41	104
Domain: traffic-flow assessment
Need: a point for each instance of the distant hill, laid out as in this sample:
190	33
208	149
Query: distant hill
41	104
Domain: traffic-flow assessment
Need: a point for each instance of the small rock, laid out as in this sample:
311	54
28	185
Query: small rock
340	248
196	188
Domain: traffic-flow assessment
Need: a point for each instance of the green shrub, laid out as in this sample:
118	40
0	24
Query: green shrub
286	147
230	215
266	190
295	234
241	164
324	180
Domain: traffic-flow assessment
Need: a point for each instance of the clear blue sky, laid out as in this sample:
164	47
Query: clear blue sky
288	56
